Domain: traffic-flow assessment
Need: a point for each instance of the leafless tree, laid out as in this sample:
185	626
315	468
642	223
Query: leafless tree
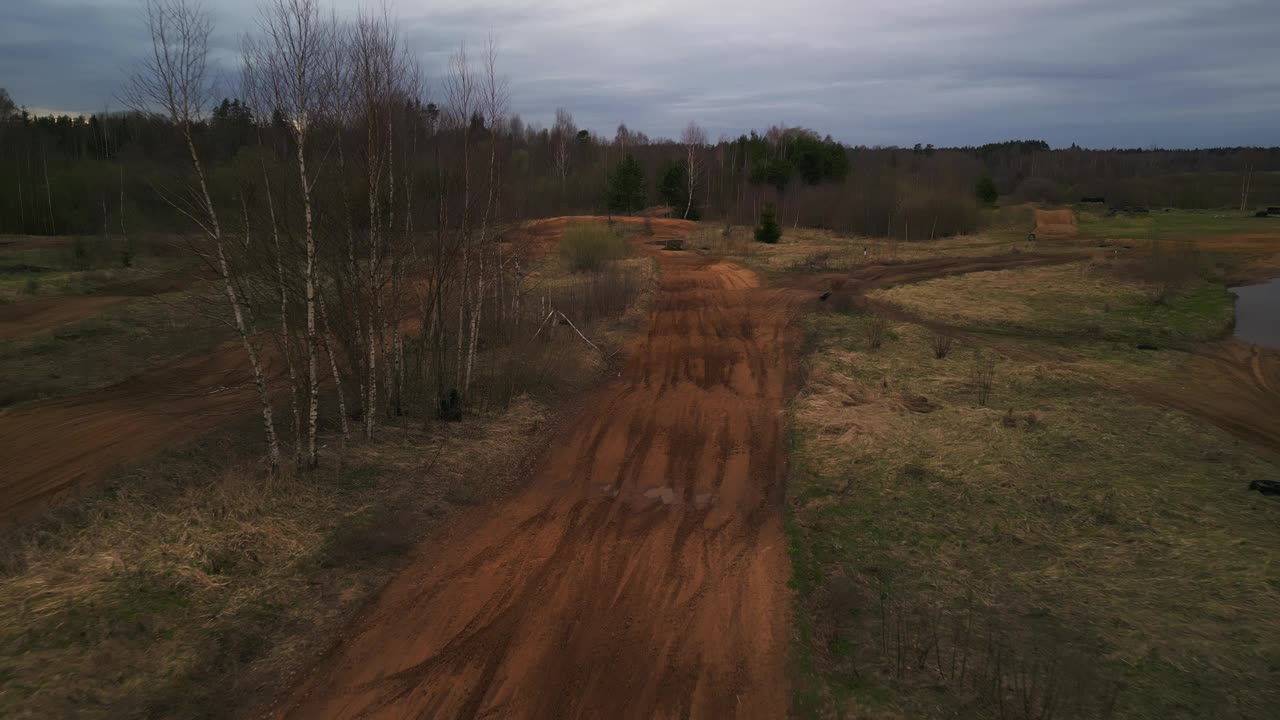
372	61
562	135
294	66
621	138
694	141
174	82
462	95
492	107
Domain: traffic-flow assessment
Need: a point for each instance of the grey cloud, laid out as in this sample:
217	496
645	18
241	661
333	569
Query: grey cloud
1167	72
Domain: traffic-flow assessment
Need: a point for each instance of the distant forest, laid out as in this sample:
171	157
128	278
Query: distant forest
100	174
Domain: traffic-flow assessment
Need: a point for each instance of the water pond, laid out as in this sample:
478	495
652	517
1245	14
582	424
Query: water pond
1258	313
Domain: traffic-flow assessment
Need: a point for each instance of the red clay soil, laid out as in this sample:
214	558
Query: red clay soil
36	316
52	449
642	572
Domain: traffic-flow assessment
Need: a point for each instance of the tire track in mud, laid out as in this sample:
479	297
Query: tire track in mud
1232	385
642	573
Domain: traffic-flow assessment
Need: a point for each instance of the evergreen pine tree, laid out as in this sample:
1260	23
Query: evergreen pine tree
768	230
986	191
625	192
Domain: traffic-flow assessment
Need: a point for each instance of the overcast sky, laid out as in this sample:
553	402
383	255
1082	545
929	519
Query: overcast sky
1103	73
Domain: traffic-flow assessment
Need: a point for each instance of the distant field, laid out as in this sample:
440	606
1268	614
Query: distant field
33	267
1159	224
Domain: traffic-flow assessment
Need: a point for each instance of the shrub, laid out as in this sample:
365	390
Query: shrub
768	231
31	287
589	247
942	342
983	376
1168	269
877	328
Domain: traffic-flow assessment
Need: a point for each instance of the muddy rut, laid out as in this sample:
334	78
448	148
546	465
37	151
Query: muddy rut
642	573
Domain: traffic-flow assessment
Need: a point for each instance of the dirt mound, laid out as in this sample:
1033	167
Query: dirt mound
1060	223
540	237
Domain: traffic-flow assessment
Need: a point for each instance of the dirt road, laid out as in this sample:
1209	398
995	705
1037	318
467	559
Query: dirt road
51	449
1232	385
642	573
36	316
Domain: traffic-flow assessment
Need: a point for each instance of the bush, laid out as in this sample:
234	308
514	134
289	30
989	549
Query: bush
768	231
589	247
942	342
986	191
983	376
877	328
1168	269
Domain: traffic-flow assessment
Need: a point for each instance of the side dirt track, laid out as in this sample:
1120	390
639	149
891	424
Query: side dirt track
50	450
642	573
37	316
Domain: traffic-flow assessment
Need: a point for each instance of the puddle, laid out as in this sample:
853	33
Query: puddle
1258	313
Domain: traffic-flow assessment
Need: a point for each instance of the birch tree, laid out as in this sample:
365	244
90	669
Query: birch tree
694	141
294	66
174	82
562	135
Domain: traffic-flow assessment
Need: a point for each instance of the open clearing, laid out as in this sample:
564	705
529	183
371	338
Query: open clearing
1074	540
1081	544
642	573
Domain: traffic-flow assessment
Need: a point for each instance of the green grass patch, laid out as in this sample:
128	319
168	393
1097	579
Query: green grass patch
1084	306
1064	551
1161	224
48	267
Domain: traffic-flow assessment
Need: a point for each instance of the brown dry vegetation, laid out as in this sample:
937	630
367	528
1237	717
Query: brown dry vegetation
807	251
1079	547
192	584
642	571
195	585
